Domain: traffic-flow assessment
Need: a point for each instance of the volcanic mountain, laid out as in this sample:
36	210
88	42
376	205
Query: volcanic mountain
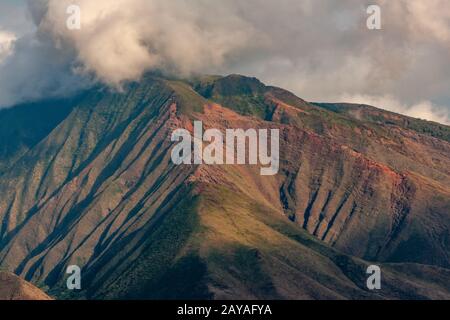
89	181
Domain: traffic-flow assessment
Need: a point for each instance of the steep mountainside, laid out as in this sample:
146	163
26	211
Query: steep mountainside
14	288
98	189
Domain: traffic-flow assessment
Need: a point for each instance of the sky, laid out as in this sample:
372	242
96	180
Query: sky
321	50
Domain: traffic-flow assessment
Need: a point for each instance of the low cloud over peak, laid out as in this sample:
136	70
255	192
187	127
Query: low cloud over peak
119	40
319	49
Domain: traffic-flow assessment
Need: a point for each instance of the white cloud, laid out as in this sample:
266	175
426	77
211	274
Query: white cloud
425	110
318	49
120	39
7	40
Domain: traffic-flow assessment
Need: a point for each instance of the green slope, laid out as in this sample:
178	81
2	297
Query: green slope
96	187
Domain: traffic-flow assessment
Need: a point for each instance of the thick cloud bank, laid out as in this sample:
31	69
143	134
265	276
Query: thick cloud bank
120	39
320	49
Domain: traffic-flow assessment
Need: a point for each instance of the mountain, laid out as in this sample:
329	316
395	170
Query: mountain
89	181
14	288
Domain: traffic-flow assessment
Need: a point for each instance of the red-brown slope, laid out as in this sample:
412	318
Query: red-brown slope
14	288
348	199
97	189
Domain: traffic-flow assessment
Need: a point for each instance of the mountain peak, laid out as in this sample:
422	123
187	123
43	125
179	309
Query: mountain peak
232	85
102	190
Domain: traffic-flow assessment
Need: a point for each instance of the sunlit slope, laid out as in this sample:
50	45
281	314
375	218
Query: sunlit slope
14	288
99	190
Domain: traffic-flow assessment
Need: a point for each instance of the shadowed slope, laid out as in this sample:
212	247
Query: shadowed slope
100	191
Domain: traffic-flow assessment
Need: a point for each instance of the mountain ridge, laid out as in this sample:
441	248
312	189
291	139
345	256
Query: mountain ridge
100	190
14	288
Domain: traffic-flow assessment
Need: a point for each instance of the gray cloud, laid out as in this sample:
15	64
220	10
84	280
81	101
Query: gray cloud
320	49
37	69
120	39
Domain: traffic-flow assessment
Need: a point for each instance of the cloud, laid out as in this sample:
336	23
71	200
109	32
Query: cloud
35	70
121	39
319	49
7	40
326	50
430	20
425	110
